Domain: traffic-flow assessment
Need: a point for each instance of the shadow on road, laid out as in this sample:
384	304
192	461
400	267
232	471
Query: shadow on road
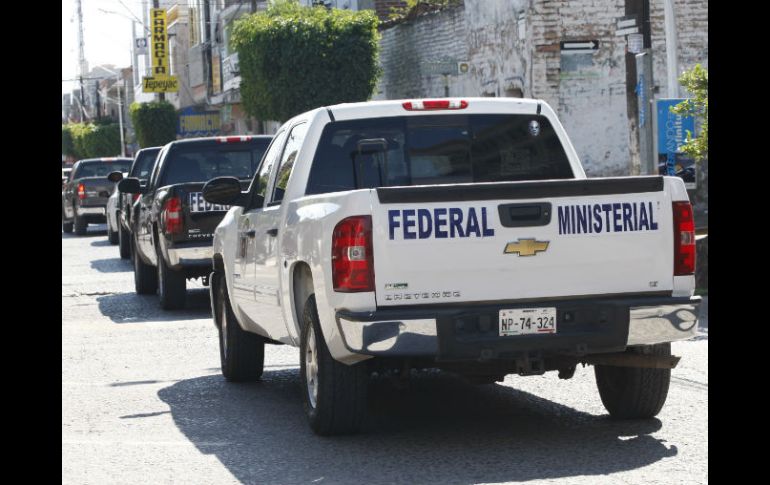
133	308
111	265
102	243
93	231
439	430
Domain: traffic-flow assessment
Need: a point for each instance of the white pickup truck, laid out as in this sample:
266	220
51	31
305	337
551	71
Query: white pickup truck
459	234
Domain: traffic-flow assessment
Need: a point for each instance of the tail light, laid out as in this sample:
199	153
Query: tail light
434	104
81	191
172	216
684	239
352	255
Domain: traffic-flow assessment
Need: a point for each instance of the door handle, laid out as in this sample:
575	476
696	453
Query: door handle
273	232
251	232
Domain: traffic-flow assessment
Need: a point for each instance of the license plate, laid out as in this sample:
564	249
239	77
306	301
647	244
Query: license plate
525	321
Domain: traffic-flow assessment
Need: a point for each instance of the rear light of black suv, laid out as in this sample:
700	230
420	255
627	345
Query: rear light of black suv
352	255
81	191
172	216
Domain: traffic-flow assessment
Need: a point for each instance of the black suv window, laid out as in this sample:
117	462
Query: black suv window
144	163
188	163
98	168
436	149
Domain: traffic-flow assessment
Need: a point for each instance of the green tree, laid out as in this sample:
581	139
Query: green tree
67	141
696	81
154	123
397	13
293	58
90	140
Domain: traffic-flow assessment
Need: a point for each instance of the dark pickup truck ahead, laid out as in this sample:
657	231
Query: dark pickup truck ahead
173	224
144	162
84	196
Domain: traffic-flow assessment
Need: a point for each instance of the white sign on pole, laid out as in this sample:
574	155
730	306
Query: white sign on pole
635	43
140	46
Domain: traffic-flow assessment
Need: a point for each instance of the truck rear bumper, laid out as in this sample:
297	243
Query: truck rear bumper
100	211
471	332
190	255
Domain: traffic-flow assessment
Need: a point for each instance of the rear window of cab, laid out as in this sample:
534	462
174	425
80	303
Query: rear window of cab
436	149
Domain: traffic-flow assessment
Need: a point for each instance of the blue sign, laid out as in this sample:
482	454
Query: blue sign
194	123
672	134
641	94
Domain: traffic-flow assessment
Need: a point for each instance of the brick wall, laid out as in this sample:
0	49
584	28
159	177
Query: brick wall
513	47
408	49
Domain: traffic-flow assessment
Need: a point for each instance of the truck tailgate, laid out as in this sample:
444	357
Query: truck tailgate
200	217
98	190
522	240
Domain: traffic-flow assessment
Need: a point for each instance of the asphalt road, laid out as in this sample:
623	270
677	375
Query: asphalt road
143	402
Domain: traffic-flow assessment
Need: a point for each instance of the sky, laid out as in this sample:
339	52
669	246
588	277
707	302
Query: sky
107	36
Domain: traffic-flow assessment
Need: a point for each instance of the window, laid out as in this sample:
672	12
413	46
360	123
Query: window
194	163
436	149
270	159
294	143
144	163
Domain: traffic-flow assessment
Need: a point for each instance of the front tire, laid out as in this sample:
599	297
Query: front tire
631	392
172	286
123	243
334	393
112	236
81	225
145	276
241	353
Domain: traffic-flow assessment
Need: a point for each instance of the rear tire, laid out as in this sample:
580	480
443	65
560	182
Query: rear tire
81	226
334	393
112	236
631	392
172	286
66	226
241	353
123	243
145	276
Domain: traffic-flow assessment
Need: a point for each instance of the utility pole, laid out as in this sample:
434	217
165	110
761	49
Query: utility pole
82	66
98	101
120	119
671	61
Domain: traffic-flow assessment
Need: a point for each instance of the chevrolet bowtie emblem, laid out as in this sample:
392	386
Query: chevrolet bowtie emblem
526	247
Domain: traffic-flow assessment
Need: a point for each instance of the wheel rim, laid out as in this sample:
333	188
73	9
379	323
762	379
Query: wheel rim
223	332
311	367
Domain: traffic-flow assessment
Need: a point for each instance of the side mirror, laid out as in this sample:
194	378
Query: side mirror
115	177
224	191
130	185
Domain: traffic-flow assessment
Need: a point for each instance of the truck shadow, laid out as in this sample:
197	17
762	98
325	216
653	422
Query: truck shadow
112	265
132	308
440	429
101	243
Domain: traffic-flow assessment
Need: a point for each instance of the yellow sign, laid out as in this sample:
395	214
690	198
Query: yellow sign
159	42
161	80
525	247
160	84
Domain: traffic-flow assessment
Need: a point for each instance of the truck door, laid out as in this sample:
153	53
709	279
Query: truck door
268	237
247	251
